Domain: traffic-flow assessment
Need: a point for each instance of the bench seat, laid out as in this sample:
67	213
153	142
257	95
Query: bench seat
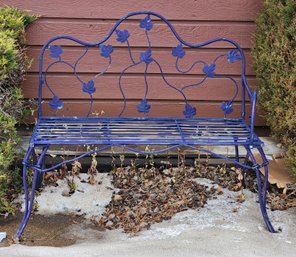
141	130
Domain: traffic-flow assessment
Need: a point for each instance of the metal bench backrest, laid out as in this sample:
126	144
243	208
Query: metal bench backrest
142	61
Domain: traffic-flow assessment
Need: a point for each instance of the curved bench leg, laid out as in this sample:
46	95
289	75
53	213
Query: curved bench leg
262	191
265	166
26	191
29	201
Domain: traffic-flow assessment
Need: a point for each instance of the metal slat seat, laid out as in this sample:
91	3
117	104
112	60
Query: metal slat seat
139	131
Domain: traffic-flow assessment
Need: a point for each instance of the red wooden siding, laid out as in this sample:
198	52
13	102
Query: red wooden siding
90	20
226	10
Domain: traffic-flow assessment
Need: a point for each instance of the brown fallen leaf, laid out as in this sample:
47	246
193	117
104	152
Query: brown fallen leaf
117	197
235	210
219	190
241	197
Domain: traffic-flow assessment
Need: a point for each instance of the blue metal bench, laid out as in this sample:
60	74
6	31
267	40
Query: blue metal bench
130	132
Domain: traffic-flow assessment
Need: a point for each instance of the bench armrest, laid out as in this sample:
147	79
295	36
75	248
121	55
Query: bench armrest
253	113
253	99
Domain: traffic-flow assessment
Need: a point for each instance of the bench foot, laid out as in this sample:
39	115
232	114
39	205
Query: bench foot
262	187
29	199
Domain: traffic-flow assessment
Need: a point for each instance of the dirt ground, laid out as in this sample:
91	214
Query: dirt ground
45	230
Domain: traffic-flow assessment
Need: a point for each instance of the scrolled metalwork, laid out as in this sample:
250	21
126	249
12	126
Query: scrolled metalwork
208	69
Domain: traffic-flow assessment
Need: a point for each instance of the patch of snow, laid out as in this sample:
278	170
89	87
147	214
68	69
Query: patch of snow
285	221
2	236
89	200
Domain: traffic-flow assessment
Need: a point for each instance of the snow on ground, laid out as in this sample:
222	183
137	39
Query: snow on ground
89	200
222	228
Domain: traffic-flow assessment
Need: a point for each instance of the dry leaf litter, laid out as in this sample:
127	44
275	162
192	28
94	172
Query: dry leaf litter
148	195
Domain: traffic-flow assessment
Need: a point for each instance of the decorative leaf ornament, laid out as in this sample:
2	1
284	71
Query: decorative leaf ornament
227	107
146	56
106	50
233	56
209	70
89	87
122	35
178	51
55	51
56	103
143	106
190	111
146	23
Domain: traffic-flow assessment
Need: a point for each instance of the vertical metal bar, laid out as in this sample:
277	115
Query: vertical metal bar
40	80
243	113
254	98
244	169
40	176
236	150
108	130
180	131
236	153
265	166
